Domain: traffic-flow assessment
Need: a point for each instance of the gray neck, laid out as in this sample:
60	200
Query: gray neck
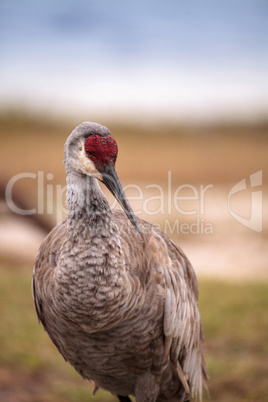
88	209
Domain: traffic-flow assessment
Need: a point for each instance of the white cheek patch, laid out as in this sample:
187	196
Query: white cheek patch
86	166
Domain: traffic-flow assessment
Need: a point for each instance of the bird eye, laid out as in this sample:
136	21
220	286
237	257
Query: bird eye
91	153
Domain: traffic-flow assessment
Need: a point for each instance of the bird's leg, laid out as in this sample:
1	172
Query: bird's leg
123	398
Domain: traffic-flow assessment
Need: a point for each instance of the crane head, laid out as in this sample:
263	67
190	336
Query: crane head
91	150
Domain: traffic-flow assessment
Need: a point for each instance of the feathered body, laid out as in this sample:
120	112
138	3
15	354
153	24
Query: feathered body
119	301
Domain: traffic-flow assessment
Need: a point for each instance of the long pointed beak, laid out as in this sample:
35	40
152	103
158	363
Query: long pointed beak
112	182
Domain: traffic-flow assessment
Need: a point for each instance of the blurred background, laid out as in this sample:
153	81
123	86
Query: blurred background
183	87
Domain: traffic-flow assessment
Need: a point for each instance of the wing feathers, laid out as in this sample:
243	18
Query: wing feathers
182	377
182	329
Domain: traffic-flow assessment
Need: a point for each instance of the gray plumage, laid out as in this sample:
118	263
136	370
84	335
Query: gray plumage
116	295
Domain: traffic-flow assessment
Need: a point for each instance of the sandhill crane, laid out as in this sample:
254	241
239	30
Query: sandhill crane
117	297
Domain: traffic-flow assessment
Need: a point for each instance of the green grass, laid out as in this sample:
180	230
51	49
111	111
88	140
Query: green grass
236	330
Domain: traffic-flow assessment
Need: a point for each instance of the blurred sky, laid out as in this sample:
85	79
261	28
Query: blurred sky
179	59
